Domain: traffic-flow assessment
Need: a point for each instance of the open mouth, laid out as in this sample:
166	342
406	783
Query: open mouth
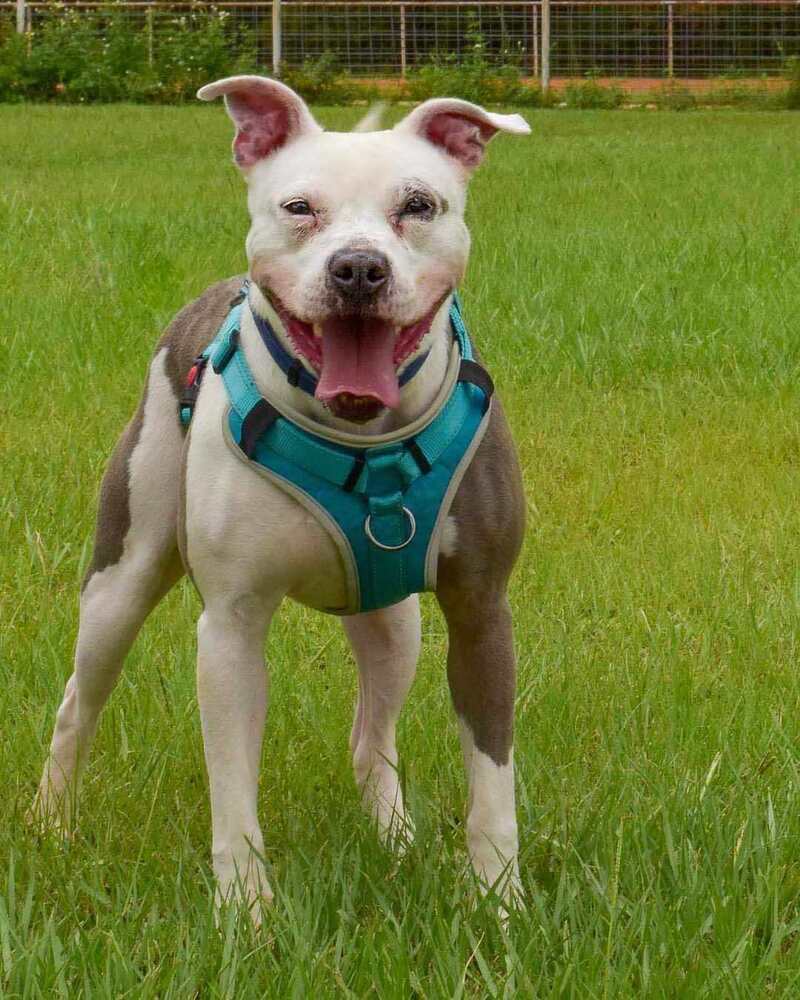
356	358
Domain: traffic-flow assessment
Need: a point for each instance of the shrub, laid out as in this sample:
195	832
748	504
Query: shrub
740	95
199	47
591	94
13	58
105	56
472	76
673	97
323	82
793	94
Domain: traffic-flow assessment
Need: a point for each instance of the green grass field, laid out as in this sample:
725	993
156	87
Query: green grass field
635	289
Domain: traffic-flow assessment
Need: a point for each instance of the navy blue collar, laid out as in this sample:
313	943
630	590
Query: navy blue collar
295	371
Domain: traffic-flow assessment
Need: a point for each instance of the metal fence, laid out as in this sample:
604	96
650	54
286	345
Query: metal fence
384	38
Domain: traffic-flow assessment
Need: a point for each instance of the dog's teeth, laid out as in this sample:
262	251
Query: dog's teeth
317	327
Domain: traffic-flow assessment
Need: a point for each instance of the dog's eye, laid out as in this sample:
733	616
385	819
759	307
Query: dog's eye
298	206
417	204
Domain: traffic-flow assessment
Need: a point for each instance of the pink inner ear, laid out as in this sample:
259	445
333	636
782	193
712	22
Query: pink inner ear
262	126
459	136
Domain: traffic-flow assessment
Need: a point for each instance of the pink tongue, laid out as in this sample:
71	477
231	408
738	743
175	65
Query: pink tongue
358	358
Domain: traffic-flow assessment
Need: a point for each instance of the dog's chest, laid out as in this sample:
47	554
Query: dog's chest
245	532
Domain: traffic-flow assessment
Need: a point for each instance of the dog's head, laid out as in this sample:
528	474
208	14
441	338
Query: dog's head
357	239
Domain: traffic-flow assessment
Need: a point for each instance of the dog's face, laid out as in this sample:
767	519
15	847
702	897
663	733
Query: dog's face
357	239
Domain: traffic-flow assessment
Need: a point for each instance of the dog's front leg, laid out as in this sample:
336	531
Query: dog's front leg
386	645
232	693
481	671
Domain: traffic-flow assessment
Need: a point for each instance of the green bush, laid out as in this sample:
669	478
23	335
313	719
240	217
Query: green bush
741	95
473	77
196	48
793	94
109	56
674	97
321	81
590	94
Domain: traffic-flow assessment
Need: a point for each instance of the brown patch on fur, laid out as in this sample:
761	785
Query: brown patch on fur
114	509
186	337
192	330
489	511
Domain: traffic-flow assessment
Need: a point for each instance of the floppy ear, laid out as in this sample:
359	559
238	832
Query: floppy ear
459	128
267	115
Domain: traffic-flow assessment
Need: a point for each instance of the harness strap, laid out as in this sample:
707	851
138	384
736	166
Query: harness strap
460	330
348	468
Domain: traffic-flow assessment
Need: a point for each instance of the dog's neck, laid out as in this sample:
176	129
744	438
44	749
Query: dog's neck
415	397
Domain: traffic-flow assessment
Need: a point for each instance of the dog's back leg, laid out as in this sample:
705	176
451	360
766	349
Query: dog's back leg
135	563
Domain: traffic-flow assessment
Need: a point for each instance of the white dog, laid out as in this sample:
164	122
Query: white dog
338	362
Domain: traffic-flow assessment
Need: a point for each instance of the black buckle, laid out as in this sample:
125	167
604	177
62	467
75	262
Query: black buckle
191	389
258	420
219	364
293	373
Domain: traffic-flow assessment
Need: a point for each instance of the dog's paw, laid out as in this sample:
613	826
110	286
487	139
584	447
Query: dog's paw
249	893
396	831
249	902
385	808
51	815
504	897
500	884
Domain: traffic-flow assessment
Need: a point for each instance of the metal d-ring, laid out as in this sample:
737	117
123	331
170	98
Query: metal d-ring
391	548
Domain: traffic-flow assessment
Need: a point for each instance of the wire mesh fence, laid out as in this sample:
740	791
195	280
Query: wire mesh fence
384	38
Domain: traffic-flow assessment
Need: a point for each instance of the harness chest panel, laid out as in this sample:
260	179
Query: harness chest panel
384	504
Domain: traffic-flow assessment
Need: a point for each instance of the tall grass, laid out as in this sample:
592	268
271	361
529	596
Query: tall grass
634	287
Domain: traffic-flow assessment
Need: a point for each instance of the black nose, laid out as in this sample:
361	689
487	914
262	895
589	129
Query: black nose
358	275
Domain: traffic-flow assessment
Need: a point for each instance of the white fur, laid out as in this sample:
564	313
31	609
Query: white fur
491	819
117	599
355	183
386	645
249	543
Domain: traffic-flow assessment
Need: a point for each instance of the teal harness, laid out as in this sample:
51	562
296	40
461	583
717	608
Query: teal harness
384	503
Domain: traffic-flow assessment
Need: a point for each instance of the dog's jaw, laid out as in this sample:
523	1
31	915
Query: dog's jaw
344	413
357	359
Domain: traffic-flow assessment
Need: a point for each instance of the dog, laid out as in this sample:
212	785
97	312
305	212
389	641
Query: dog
356	246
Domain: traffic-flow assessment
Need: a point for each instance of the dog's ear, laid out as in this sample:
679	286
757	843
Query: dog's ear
459	128
267	114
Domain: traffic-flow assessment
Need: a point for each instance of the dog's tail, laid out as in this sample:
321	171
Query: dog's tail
371	122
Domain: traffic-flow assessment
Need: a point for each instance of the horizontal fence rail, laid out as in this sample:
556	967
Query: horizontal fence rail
388	38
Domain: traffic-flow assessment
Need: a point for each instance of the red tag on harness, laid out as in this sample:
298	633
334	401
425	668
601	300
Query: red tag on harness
191	378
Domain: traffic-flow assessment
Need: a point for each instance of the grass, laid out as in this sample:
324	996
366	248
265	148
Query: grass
634	286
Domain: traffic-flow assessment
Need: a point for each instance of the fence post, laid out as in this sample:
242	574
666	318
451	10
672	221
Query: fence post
670	40
545	45
22	17
535	39
149	26
276	37
403	55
